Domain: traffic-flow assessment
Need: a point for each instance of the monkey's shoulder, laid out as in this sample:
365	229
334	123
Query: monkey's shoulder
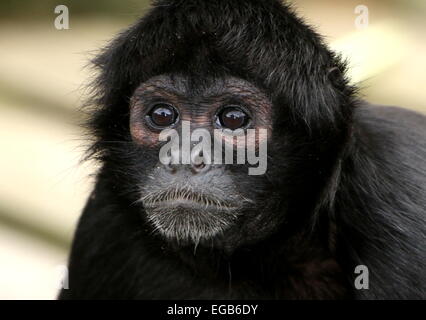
396	126
379	204
390	143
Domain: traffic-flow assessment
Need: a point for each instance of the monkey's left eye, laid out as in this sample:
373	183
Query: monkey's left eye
163	115
232	118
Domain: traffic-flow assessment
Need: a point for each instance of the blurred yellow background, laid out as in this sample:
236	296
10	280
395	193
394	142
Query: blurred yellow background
43	185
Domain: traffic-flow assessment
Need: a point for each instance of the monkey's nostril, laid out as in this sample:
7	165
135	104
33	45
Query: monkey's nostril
171	168
199	167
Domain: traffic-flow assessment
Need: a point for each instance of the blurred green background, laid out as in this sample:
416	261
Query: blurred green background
43	186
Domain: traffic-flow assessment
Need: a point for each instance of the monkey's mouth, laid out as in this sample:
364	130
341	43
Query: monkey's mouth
186	216
184	197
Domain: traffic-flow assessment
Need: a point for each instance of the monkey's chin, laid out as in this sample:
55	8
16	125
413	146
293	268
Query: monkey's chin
185	222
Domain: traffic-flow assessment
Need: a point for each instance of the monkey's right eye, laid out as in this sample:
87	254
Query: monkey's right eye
162	115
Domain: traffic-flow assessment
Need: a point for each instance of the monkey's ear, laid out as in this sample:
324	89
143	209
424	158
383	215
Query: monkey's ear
335	76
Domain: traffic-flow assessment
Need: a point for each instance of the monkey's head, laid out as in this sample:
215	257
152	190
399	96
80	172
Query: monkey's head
192	70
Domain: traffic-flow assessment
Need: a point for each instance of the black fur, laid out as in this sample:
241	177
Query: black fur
345	186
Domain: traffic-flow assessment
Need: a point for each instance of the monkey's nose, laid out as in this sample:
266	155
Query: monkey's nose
195	167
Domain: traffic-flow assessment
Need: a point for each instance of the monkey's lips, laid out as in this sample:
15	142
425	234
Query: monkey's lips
190	204
186	199
186	216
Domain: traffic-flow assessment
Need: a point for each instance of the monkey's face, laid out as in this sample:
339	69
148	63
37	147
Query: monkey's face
202	157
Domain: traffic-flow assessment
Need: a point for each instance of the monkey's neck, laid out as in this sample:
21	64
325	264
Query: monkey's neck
304	265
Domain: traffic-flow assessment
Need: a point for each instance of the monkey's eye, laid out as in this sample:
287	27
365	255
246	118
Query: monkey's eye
163	115
232	118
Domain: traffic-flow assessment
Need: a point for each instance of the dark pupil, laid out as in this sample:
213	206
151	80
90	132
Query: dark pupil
233	119
163	116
